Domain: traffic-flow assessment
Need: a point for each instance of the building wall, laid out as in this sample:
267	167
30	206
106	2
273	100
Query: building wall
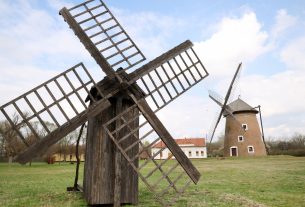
251	137
190	152
69	157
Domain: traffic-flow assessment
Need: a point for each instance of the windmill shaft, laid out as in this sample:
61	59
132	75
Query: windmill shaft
42	145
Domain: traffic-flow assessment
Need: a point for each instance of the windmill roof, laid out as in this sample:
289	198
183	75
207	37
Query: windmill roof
193	142
240	106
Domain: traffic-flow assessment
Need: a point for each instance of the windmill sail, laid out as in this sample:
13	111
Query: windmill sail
50	111
103	36
225	102
170	75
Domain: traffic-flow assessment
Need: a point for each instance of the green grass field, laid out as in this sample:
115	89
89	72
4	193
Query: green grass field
270	181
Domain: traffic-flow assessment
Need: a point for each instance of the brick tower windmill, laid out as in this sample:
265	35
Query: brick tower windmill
243	135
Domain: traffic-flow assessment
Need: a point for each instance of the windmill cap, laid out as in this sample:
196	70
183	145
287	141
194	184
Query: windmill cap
240	106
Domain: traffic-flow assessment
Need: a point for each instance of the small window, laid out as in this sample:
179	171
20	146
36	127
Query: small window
190	153
240	138
197	154
245	126
250	149
202	154
160	154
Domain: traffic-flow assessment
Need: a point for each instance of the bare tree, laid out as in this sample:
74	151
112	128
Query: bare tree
10	141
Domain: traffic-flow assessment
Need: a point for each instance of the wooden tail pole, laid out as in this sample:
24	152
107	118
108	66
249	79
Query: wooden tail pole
263	135
77	157
76	186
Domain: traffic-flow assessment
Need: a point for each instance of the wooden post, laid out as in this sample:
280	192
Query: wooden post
103	183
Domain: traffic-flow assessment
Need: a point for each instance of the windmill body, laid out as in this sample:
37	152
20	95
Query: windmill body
243	136
103	163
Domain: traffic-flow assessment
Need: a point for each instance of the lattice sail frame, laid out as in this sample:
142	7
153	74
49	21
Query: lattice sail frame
103	35
172	78
167	180
45	109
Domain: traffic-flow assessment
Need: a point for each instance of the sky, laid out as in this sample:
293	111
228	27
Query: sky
268	37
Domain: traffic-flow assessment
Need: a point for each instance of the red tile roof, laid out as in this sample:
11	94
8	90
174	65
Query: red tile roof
196	142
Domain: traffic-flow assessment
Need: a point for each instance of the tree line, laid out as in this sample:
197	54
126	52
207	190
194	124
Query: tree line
11	144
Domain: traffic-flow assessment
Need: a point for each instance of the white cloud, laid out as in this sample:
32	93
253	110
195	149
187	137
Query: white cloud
281	94
293	54
16	80
235	40
59	4
283	22
277	93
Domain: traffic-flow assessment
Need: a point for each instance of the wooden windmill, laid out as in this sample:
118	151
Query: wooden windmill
243	136
121	115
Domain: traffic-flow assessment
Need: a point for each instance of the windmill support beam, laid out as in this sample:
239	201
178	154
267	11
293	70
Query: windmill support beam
107	178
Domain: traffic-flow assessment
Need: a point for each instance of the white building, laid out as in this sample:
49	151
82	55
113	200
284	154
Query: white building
192	147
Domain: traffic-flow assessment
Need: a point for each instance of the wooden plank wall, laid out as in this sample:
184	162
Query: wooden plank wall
99	175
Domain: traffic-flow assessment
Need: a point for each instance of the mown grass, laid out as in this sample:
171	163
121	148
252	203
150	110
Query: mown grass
269	181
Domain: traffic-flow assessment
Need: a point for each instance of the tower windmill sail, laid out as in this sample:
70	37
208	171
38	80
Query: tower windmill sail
223	105
122	108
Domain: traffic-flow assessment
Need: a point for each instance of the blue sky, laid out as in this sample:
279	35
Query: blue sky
267	36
